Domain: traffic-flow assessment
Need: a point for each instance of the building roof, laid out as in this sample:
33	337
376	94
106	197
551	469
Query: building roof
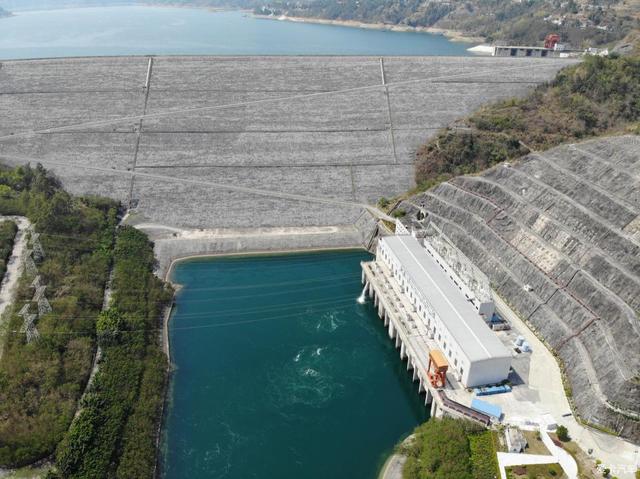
462	320
487	408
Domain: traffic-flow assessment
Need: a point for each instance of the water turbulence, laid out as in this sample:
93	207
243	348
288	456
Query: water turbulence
363	296
280	374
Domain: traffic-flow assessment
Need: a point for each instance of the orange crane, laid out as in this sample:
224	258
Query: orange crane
437	369
551	40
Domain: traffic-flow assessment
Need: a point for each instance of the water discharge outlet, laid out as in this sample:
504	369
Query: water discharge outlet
363	296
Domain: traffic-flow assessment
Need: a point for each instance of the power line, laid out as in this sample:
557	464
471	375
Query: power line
238	311
203	326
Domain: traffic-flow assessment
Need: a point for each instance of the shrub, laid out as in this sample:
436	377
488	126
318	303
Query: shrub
116	429
442	449
563	434
597	96
42	381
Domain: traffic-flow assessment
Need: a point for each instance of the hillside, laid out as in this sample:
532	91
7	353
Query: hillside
554	227
580	24
598	96
59	331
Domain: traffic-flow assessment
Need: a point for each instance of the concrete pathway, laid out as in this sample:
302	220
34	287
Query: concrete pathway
563	458
544	394
392	469
14	266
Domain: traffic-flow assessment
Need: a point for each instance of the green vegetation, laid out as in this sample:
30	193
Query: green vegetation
526	22
563	434
586	469
8	230
446	448
41	381
483	455
535	444
535	471
114	433
119	415
598	96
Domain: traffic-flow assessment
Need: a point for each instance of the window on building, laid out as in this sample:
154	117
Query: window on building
461	371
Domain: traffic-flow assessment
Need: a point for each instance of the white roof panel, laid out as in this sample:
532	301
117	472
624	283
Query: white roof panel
458	314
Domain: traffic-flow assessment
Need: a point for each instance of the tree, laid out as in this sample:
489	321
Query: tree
563	434
109	325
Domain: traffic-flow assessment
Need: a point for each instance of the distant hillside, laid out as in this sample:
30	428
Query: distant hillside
4	13
579	23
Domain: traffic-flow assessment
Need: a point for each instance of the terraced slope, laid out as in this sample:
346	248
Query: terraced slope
224	142
558	234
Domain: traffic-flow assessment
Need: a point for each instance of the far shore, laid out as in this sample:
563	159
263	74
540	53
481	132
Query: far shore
453	35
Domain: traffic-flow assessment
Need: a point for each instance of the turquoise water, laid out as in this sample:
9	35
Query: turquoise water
281	374
182	31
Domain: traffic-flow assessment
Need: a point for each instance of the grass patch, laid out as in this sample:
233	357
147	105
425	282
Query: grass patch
535	444
536	471
586	464
484	461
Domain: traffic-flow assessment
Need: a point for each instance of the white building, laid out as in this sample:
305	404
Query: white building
474	352
473	283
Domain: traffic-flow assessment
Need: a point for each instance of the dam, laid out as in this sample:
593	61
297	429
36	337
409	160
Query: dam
226	154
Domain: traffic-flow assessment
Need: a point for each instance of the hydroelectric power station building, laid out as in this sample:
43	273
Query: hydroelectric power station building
454	319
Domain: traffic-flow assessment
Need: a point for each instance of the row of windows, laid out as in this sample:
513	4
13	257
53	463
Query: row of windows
437	332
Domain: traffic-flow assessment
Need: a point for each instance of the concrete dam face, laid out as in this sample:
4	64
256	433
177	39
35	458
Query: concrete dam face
558	235
243	142
222	154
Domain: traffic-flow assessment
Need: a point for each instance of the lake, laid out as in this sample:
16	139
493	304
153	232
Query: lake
281	374
135	30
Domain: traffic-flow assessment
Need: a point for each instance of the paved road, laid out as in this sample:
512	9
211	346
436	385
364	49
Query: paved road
548	397
10	280
392	469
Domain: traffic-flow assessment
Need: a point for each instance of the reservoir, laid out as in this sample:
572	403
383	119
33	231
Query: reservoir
281	373
139	30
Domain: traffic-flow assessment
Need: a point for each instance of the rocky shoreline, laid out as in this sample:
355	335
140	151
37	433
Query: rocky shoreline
453	35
